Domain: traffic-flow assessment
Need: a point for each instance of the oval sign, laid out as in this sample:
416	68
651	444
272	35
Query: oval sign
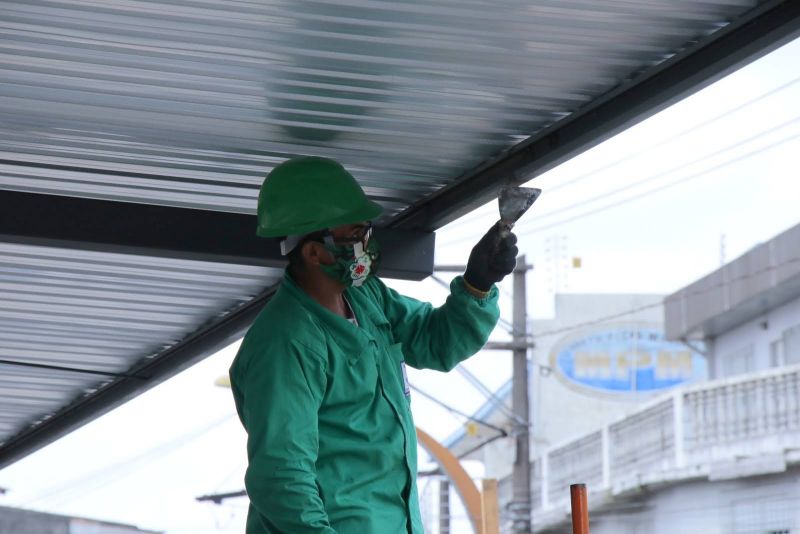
626	360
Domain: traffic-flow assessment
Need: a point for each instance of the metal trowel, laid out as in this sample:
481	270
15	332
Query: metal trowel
514	202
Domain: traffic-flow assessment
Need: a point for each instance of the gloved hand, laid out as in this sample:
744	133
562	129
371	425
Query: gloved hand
492	258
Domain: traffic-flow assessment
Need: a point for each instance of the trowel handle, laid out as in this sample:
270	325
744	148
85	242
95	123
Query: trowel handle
505	228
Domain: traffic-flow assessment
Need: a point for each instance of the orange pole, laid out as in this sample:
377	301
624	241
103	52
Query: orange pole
580	509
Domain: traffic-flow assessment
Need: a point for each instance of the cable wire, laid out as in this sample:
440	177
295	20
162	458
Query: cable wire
667	172
457	411
708	289
525	228
686	131
480	386
661	188
106	475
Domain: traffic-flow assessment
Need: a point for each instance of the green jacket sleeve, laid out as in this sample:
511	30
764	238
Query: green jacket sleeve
439	338
278	396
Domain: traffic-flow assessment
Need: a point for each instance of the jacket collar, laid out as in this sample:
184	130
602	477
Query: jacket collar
349	337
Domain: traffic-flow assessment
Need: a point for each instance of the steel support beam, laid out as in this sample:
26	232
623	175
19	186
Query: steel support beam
100	225
149	230
755	34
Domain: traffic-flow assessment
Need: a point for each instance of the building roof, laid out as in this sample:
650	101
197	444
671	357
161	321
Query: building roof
760	280
21	521
135	137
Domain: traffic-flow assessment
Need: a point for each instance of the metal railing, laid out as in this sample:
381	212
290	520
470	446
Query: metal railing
676	436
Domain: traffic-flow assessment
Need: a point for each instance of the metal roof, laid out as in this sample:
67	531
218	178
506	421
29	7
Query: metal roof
129	125
71	321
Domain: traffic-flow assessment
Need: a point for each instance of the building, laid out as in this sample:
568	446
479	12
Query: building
598	359
20	521
716	455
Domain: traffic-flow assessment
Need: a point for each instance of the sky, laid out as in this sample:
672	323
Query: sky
648	211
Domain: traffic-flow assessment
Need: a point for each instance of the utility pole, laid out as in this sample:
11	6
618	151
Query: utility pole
520	506
521	479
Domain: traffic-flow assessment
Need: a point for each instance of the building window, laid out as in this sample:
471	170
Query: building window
738	362
791	345
776	358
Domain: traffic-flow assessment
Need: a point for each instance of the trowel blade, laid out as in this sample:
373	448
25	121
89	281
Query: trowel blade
515	201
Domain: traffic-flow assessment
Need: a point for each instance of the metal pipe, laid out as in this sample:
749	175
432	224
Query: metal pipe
580	509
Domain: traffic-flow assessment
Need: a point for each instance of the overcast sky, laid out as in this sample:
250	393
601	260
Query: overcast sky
645	212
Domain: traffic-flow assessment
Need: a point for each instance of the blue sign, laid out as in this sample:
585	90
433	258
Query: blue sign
627	360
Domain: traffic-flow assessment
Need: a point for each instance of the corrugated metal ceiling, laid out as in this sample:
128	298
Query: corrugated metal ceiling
188	103
72	320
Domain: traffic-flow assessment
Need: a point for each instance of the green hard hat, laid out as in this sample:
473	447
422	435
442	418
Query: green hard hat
304	195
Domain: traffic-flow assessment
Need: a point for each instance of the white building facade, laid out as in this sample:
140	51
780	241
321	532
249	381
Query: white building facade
713	454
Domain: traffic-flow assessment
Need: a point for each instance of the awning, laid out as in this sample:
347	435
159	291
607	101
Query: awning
135	135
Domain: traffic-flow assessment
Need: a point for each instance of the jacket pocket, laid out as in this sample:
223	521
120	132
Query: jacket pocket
395	369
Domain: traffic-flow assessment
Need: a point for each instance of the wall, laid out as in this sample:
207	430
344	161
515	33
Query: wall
757	505
560	411
758	333
15	521
19	521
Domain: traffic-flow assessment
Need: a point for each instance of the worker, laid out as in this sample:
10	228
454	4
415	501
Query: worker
320	378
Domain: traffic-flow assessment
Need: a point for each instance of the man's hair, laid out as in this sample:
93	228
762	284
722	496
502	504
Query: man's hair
295	256
296	263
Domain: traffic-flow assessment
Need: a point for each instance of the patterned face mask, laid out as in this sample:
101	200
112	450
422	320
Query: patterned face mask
354	263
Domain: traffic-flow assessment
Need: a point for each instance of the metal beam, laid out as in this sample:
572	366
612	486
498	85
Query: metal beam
100	225
755	34
208	340
143	229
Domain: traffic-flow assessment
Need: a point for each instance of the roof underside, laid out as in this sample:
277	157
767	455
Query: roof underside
183	106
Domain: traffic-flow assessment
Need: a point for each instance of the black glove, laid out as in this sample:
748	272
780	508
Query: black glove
492	258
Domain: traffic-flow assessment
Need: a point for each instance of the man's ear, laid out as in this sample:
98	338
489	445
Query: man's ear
315	254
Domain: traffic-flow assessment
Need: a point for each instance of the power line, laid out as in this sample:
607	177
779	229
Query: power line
657	304
457	411
106	475
522	230
475	381
649	148
666	186
686	131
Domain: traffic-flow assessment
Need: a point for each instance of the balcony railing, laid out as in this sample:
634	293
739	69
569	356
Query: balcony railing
704	430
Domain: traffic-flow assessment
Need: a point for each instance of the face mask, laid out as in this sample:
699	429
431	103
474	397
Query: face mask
353	264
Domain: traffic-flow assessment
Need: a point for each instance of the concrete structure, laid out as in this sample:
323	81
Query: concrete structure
584	369
584	398
747	312
20	521
757	505
708	456
720	456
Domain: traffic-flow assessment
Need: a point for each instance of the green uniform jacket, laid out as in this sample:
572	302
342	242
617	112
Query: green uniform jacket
331	442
